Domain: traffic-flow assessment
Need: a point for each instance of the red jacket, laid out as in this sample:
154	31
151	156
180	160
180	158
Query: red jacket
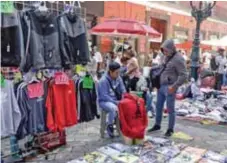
133	116
61	106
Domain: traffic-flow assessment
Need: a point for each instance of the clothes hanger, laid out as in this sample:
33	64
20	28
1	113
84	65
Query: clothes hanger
34	78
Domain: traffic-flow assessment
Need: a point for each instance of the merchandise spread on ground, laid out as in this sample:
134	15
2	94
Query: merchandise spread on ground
153	150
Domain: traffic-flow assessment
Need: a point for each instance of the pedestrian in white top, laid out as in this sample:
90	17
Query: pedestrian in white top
184	55
221	61
206	59
98	58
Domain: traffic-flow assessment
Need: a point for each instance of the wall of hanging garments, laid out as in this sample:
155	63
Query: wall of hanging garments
46	104
40	41
37	37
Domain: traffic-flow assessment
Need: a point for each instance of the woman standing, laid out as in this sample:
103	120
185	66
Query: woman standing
133	71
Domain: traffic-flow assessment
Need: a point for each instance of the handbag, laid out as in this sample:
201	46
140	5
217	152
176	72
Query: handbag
156	72
117	94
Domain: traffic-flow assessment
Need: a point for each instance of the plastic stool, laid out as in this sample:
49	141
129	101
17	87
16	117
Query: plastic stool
103	124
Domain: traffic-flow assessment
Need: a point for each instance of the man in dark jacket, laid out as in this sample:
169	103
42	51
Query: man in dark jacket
172	77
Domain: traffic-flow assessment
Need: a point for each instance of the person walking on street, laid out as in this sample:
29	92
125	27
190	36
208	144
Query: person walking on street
172	77
99	60
221	61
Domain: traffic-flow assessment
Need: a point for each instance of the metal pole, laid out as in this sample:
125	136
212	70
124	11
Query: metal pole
195	52
199	14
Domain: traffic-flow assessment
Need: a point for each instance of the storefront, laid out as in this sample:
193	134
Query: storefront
213	35
93	11
180	34
202	35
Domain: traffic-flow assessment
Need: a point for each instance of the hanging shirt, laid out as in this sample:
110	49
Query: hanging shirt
61	106
34	97
10	112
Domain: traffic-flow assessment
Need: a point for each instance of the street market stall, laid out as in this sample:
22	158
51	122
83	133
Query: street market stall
126	28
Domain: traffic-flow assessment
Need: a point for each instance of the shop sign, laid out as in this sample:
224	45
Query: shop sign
156	39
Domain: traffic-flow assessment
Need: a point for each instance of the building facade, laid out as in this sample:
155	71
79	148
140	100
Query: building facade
171	18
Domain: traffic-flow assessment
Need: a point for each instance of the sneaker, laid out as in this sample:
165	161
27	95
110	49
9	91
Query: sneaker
169	132
110	130
150	115
155	128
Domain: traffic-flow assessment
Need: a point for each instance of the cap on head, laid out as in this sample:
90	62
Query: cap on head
221	49
114	66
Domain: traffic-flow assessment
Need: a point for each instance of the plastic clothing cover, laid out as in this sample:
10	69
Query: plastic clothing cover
119	147
189	155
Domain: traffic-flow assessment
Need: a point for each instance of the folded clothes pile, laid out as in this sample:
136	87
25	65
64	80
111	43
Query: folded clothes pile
214	108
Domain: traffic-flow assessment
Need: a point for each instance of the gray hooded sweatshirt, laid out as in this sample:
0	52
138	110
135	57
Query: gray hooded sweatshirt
175	73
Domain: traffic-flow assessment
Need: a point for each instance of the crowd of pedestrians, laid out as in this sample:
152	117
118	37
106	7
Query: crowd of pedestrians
120	72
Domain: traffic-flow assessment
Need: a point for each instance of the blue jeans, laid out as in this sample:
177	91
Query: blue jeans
163	96
225	79
111	109
149	100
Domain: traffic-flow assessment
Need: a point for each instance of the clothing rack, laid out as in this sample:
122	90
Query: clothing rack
58	7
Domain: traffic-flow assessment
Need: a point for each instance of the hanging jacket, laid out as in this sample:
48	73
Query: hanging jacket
133	116
10	112
87	99
41	39
73	40
22	130
61	106
12	48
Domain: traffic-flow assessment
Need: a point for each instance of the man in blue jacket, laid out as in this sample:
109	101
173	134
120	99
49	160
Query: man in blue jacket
110	90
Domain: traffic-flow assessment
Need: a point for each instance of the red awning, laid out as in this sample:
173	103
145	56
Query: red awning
124	27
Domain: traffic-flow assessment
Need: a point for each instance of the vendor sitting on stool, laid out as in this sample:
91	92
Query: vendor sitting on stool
110	90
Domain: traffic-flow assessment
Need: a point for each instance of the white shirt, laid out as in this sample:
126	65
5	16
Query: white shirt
185	57
159	59
207	57
221	62
98	57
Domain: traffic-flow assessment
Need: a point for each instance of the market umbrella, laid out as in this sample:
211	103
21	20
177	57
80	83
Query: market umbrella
124	27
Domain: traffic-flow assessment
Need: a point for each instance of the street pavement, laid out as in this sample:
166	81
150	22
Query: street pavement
85	138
